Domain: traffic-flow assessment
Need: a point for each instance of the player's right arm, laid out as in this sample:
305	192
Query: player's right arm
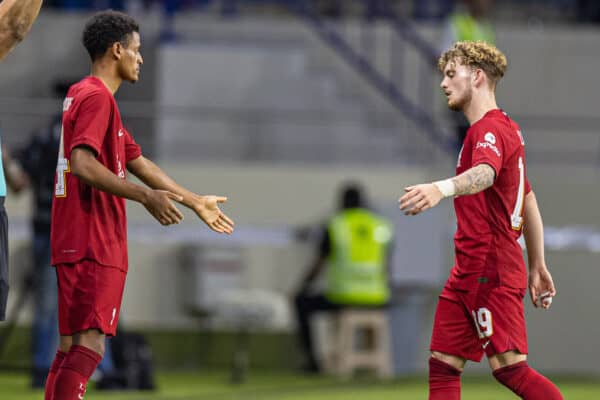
205	206
540	280
16	18
89	170
419	198
318	264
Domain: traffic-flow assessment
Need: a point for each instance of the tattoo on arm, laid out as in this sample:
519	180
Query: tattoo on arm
474	180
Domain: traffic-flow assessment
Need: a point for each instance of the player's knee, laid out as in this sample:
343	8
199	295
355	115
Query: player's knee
65	343
454	361
92	339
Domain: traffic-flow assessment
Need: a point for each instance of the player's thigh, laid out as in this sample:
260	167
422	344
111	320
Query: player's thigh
500	319
454	333
455	361
89	297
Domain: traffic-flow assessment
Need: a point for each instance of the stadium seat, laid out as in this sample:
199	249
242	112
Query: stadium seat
361	340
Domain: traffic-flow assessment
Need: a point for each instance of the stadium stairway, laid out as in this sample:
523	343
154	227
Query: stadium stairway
274	93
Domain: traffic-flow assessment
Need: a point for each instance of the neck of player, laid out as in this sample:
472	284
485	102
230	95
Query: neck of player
108	74
481	103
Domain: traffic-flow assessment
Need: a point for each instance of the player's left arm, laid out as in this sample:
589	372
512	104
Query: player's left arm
205	206
541	285
16	18
419	198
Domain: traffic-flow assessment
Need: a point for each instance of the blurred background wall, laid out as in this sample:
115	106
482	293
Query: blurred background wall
252	103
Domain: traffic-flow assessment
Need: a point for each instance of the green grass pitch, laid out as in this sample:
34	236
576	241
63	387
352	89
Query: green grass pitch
264	385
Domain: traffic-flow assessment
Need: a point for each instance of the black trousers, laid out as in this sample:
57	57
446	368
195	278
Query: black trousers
307	305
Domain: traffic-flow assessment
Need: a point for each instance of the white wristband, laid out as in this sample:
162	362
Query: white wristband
446	187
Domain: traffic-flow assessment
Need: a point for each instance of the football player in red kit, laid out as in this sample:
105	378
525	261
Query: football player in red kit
480	309
89	227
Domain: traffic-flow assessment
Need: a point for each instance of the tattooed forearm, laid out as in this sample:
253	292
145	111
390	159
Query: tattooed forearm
474	180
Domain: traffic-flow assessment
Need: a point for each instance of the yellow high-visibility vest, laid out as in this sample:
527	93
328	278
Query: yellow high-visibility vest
357	262
465	27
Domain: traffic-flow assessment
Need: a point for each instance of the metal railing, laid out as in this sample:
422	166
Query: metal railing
361	57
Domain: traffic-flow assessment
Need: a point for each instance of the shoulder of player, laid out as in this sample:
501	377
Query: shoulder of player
90	93
502	129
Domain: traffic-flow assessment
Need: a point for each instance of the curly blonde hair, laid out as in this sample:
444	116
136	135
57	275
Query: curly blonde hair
477	54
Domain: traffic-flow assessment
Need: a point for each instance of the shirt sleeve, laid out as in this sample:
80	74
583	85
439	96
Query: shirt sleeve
488	147
132	149
91	122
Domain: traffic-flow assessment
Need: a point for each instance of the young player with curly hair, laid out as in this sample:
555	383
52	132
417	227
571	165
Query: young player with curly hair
480	309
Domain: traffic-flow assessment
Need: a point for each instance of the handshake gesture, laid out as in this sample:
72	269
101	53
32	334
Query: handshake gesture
160	204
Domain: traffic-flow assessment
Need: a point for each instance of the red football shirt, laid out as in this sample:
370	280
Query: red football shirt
490	222
88	223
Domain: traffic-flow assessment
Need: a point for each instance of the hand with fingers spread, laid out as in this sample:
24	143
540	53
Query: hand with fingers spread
541	287
419	198
207	208
159	204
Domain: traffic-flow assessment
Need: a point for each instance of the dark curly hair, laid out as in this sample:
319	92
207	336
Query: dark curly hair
104	29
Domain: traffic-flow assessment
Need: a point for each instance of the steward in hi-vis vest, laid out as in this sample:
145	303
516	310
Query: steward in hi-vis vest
357	262
353	255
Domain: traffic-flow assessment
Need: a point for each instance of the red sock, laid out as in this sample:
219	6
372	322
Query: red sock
58	359
527	383
444	381
74	373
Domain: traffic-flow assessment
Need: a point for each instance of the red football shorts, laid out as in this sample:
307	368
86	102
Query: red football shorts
89	297
469	323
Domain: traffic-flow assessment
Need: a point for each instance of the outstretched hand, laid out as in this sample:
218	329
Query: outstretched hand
419	198
207	208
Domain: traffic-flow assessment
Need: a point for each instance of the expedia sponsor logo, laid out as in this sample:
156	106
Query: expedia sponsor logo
488	145
490	138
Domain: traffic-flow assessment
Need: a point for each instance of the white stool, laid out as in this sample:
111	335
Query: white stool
346	356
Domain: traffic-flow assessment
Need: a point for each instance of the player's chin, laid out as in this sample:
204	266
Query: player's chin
454	106
134	78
